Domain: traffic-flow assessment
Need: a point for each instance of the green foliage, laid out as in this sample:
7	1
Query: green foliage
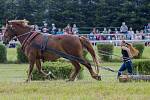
61	70
142	67
21	57
3	54
89	13
140	48
105	51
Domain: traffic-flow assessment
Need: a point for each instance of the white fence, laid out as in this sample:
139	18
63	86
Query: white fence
117	42
117	36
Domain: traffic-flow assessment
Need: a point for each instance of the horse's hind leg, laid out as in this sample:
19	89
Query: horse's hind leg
93	74
39	67
76	70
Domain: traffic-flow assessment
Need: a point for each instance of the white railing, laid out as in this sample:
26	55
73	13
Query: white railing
147	35
117	42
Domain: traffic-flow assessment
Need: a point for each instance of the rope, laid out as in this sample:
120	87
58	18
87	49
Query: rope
110	54
109	69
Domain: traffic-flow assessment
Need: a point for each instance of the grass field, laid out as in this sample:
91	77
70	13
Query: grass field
13	86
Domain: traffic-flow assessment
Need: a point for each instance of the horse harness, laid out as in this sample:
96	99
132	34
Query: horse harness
30	37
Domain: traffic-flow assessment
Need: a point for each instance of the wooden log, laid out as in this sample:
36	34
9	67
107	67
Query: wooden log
140	77
128	78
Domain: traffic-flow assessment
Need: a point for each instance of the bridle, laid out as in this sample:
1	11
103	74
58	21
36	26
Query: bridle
13	31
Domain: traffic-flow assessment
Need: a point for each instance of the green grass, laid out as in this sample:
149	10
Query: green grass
13	72
13	86
11	54
81	90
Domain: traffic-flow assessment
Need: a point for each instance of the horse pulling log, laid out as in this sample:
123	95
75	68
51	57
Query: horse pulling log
35	46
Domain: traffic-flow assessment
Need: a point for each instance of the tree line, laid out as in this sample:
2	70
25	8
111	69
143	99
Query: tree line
87	13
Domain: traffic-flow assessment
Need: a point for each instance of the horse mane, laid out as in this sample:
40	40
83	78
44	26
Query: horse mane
19	22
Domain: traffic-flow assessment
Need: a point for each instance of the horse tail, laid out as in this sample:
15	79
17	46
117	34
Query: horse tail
86	44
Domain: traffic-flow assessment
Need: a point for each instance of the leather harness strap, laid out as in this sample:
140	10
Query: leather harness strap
44	45
28	39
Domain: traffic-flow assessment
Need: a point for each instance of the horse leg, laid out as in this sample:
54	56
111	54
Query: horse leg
93	74
38	65
75	71
30	70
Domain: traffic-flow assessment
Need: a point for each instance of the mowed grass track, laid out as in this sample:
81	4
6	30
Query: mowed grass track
80	90
13	86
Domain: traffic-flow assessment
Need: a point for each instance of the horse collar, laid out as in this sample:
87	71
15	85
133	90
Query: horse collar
28	39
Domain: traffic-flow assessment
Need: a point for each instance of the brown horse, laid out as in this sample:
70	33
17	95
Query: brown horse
68	44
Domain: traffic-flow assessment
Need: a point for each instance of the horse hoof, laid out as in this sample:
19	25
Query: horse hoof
27	81
69	80
97	77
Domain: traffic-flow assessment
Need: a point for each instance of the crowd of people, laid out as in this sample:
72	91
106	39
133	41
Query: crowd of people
57	31
123	33
107	34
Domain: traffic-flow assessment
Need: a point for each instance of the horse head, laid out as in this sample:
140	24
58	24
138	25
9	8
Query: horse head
15	28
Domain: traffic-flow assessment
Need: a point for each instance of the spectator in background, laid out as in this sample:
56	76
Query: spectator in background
92	34
104	37
137	32
97	34
142	34
130	35
45	28
60	32
124	28
68	29
104	31
54	29
116	31
147	28
137	35
36	28
75	29
109	37
64	31
109	31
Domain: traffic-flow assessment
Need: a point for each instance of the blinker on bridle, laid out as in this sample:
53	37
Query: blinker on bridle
13	31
